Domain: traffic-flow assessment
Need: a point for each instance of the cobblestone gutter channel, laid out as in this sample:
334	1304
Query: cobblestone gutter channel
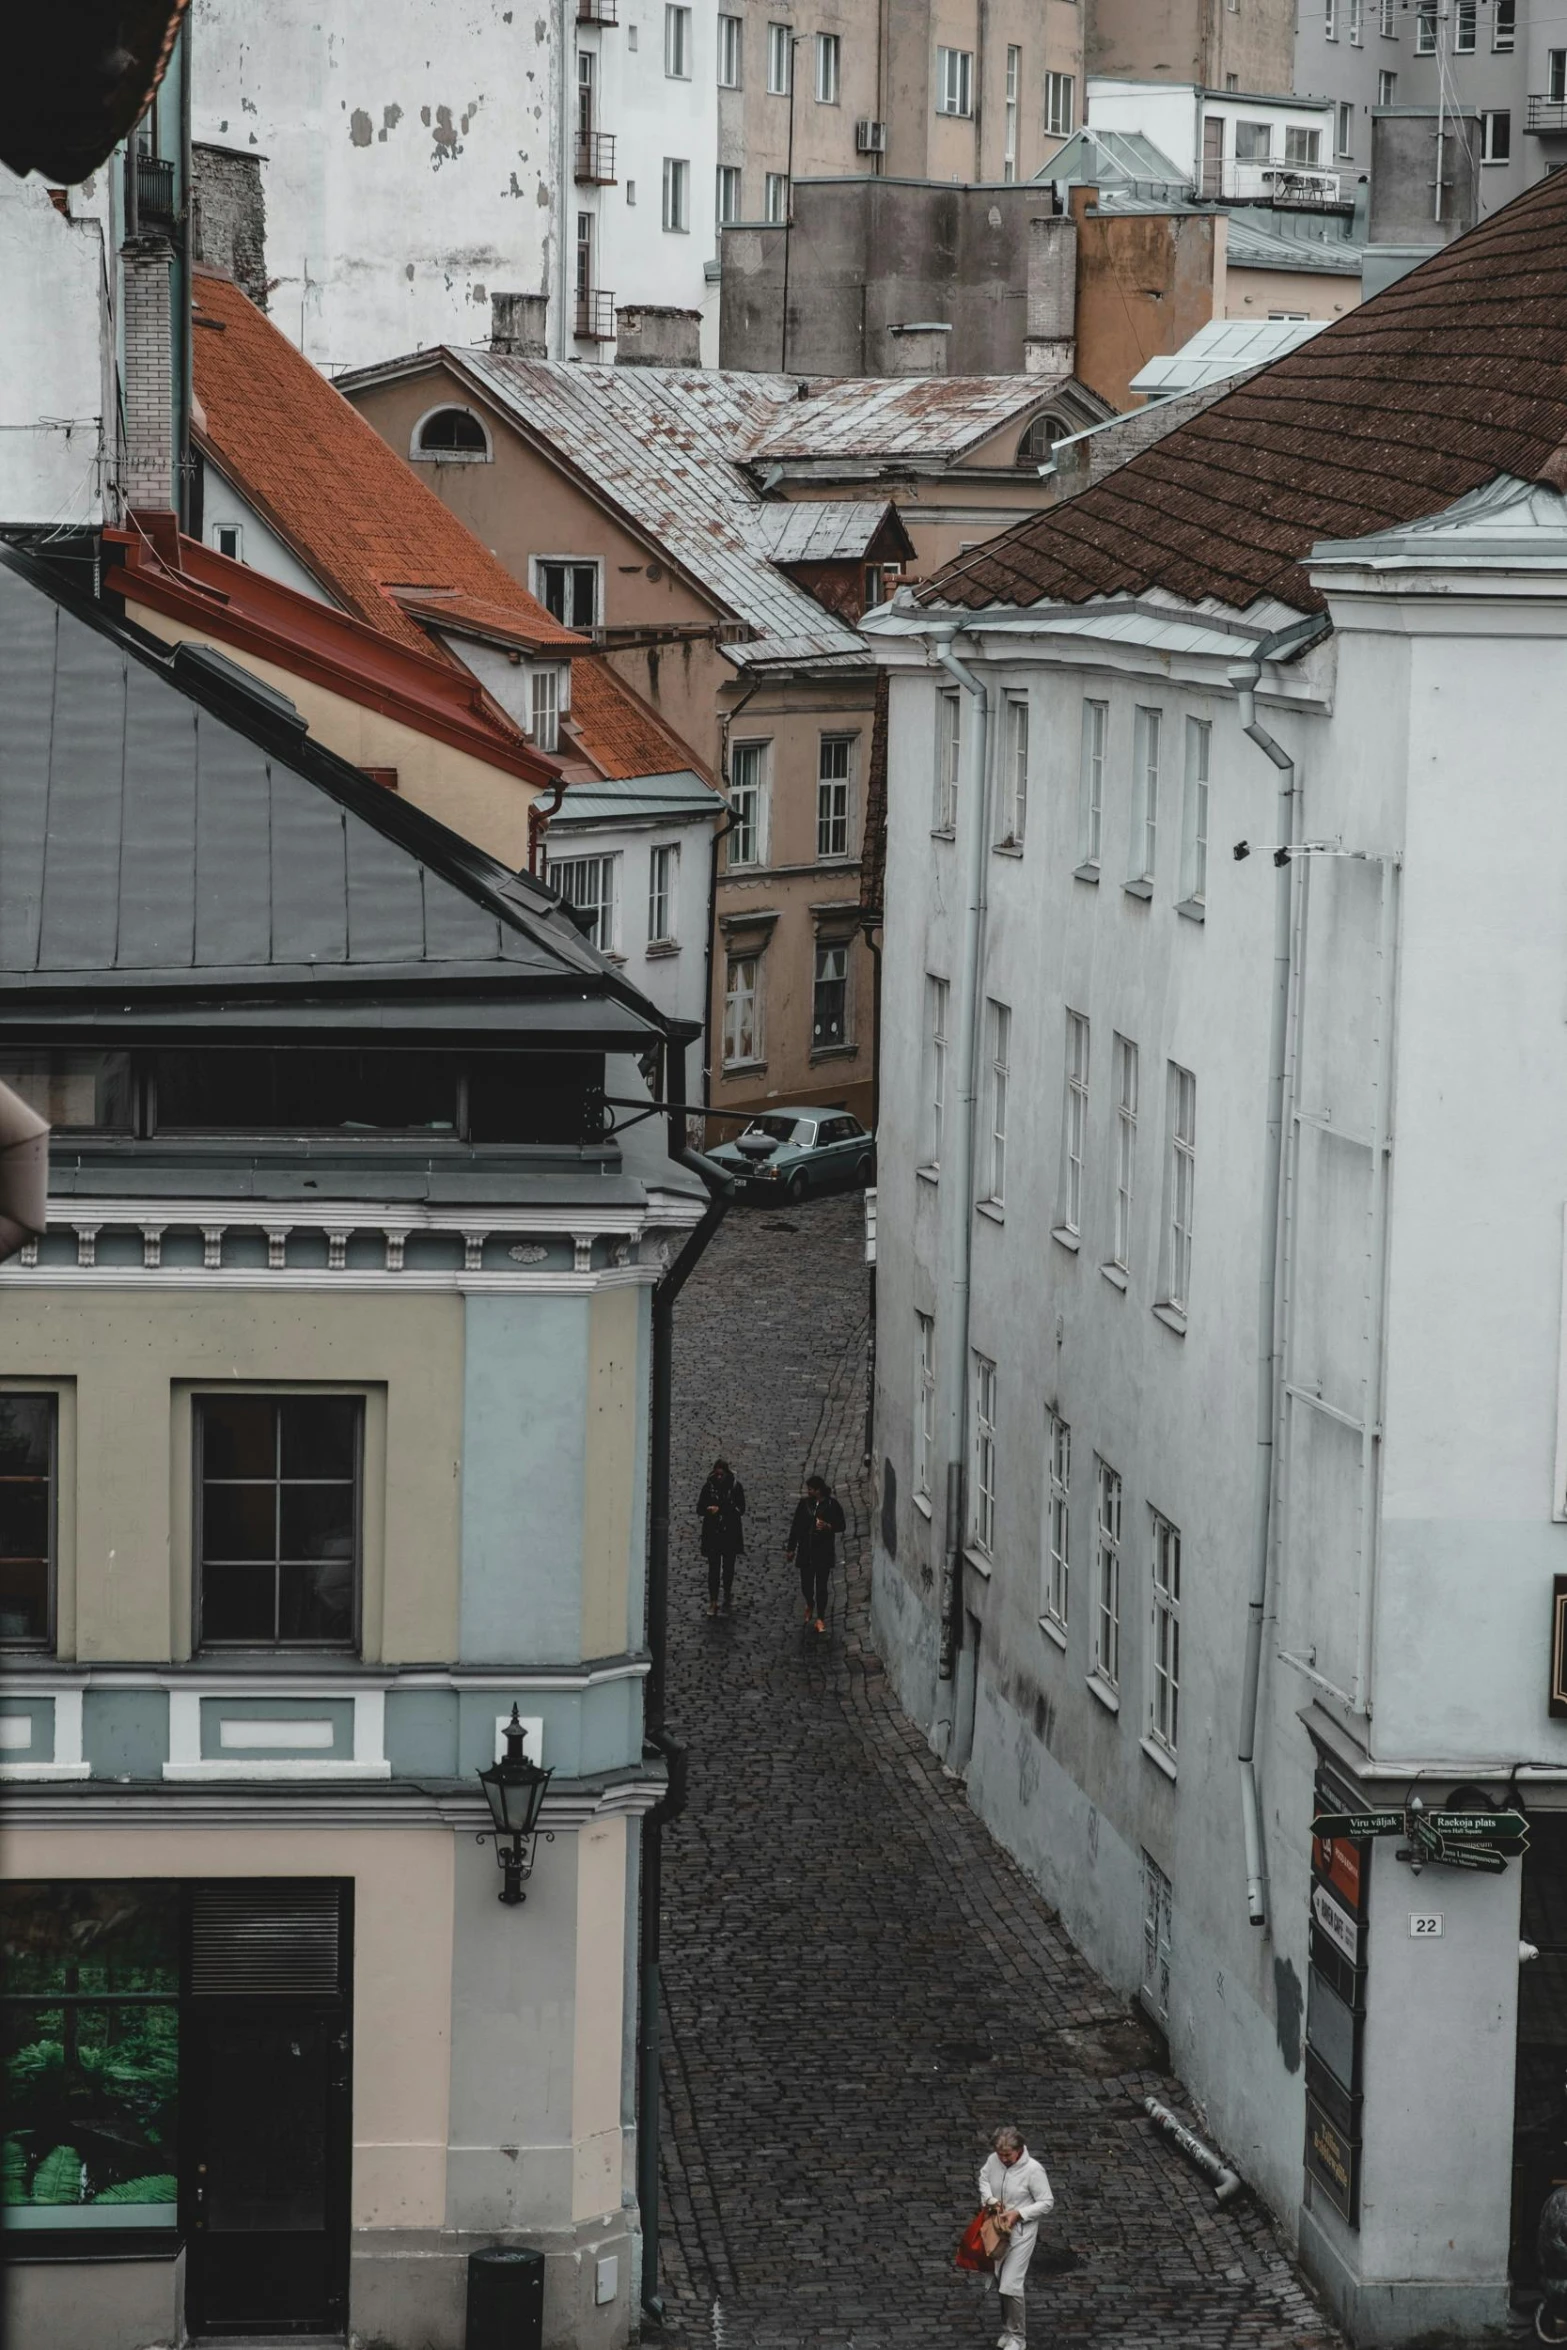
859	1984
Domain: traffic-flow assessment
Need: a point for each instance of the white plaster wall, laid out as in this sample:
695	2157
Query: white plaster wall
676	982
56	355
259	544
651	116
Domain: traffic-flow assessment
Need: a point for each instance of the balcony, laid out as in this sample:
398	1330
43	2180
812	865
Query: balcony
1546	116
149	194
598	11
595	316
596	160
1297	186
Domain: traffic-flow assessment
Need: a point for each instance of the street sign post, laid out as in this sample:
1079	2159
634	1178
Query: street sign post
1471	1856
1482	1840
1358	1823
1494	1827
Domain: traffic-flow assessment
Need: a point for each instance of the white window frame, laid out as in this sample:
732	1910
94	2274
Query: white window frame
834	798
677	196
663	886
1504	26
1425	30
1164	1648
728	194
539	564
738	993
1147	746
1158	1908
1060	105
1180	1188
1126	1081
831	947
1194	815
780	59
1556	75
1387	24
1058	1522
1105	1648
1357	23
938	1006
677	42
949	760
829	68
731	50
749	765
1345	122
982	1528
1330	20
1091	794
775	205
1387	87
597	879
1489	118
1258	154
544	707
998	1040
1074	1123
955	82
1015	792
1466	28
925	1414
229	530
1014	77
1303	144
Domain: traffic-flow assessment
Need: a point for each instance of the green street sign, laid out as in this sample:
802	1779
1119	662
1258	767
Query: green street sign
1357	1824
1426	1836
1471	1856
1489	1826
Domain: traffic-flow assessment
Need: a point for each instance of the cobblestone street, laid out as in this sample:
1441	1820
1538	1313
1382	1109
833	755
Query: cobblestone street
859	1984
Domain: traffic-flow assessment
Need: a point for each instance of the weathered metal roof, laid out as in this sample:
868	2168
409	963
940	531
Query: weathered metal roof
901	416
821	530
678	799
1222	348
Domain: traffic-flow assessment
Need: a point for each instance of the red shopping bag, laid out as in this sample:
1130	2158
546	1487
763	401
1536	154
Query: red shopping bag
979	2244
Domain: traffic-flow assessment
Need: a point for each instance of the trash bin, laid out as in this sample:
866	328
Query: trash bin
505	2298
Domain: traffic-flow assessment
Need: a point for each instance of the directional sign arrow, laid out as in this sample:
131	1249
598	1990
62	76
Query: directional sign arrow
1488	1825
1357	1824
1425	1835
1471	1856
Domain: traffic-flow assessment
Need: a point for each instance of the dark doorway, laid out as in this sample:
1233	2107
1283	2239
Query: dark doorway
1540	2098
266	2096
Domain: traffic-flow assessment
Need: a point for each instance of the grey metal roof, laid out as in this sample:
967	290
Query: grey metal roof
680	798
1133	175
1222	348
901	416
821	530
1101	158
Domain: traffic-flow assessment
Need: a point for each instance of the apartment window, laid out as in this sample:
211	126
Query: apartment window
568	591
1496	137
677	195
631	185
1180	1189
546	709
27	1520
747	800
728	193
828	54
830	998
1387	23
1060	104
1556	75
1058	1545
954	81
1194	814
984	1523
1346	128
677	43
1074	1137
1464	28
1425	32
949	751
1253	142
1145	794
1125	1149
729	52
663	872
1504	25
925	1419
1091	801
229	539
937	996
742	1011
832	795
456	432
277	1538
1357	25
1015	780
1164	1676
1387	88
1330	19
998	1022
1107	1574
588	883
1232	81
776	205
780	59
1009	137
1303	145
1157	1905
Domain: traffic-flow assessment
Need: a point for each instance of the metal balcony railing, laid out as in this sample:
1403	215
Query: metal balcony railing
598	11
596	160
149	194
1547	114
595	316
1301	186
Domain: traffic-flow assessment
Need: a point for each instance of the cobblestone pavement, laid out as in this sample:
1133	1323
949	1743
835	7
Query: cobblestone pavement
859	1983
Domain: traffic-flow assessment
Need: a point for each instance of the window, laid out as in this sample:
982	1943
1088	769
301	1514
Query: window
828	48
1253	142
776	206
277	1481
1180	1188
1464	28
677	43
747	799
1009	136
1330	19
588	883
27	1520
1157	1904
984	1525
663	873
1074	1136
229	539
90	2022
728	207
631	185
830	998
1040	436
1496	137
452	432
1194	814
875	586
1346	129
949	752
1425	32
1387	87
1091	798
1357	23
1107	1574
1145	795
998	1020
1164	1678
729	52
1015	780
742	1012
1058	1542
546	709
780	59
936	1000
832	795
954	81
1060	105
1387	23
1504	25
677	195
1303	144
568	591
586	118
1556	75
1125	1149
925	1420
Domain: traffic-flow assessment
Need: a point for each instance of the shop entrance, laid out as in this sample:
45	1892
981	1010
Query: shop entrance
265	2090
1540	2100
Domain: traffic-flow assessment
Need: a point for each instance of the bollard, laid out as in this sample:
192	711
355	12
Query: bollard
505	2298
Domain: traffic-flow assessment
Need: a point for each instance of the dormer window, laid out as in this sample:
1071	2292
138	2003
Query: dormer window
546	709
1039	439
451	432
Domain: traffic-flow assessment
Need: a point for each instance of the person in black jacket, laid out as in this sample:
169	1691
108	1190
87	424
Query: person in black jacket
813	1540
720	1508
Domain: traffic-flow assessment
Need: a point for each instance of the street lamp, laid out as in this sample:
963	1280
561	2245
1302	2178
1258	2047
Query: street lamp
514	1789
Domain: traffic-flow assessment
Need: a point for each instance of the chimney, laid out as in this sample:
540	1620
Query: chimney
647	336
517	326
1050	335
147	471
917	347
229	216
1412	148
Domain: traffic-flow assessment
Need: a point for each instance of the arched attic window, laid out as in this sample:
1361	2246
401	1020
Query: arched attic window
451	432
1039	438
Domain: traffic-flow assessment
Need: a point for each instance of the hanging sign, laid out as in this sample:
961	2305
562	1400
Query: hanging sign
1337	1924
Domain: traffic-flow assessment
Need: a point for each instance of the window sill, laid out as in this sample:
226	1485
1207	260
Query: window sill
658	949
1006	848
834	1052
943	832
991	1209
614	955
921	1502
743	1068
1192	908
1109	1698
1172	1318
1054	1632
836	857
1142	890
1086	872
1116	1276
930	1174
1067	1239
981	1562
1158	1757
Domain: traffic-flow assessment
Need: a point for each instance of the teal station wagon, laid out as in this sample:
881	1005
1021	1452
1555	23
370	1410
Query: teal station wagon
783	1154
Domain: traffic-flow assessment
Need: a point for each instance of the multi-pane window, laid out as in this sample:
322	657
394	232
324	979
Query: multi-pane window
677	195
830	997
780	59
1387	85
925	1421
1194	814
949	751
1346	128
1091	798
546	709
1464	28
984	1521
1058	1535
1107	1574
728	198
729	52
1125	1149
1060	104
568	591
1164	1662
775	197
1387	22
1357	26
1330	19
1556	75
663	871
954	81
27	1519
1157	1905
1074	1130
1015	777
1504	24
1180	1188
1145	794
742	1011
1253	142
588	883
677	42
1425	32
1496	137
277	1488
1302	144
937	995
828	58
832	795
998	1042
747	786
1009	138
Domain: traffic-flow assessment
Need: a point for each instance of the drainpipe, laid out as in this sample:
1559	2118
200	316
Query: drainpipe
538	818
720	832
1244	680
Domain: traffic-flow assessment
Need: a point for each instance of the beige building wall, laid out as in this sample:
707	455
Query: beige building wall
1261	293
597	2136
1194	41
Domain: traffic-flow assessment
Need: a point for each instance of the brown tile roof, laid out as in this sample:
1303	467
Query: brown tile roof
1455	374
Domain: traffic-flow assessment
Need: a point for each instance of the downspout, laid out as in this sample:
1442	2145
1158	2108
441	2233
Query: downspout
1244	680
720	832
538	818
795	42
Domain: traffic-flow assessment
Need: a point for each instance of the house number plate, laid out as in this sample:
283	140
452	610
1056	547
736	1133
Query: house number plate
1425	1925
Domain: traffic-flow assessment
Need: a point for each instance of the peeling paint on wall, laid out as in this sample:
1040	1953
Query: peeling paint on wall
360	128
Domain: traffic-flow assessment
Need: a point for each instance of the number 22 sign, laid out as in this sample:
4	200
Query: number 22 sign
1425	1925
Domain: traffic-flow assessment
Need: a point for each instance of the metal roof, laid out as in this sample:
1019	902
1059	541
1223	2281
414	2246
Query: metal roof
901	416
1224	347
1133	175
821	530
679	798
1102	158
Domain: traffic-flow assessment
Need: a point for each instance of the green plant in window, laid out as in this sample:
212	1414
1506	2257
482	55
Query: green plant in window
159	2188
13	2171
58	2178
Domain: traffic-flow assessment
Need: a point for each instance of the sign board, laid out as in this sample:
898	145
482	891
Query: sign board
1335	1858
1493	1827
1359	1824
1333	2030
1425	1925
1336	1923
1333	2161
1558	1697
1471	1856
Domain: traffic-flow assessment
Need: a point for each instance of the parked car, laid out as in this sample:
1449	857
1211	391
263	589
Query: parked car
783	1154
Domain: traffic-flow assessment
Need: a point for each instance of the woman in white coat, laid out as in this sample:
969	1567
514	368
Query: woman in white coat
1013	2187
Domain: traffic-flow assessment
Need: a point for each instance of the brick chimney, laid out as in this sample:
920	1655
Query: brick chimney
148	466
517	326
1050	336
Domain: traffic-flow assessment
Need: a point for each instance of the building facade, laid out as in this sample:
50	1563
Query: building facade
1247	48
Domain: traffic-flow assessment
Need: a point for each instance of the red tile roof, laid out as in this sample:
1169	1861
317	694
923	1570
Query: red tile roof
1455	374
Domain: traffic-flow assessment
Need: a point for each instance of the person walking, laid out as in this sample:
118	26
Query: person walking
1014	2189
813	1540
720	1510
